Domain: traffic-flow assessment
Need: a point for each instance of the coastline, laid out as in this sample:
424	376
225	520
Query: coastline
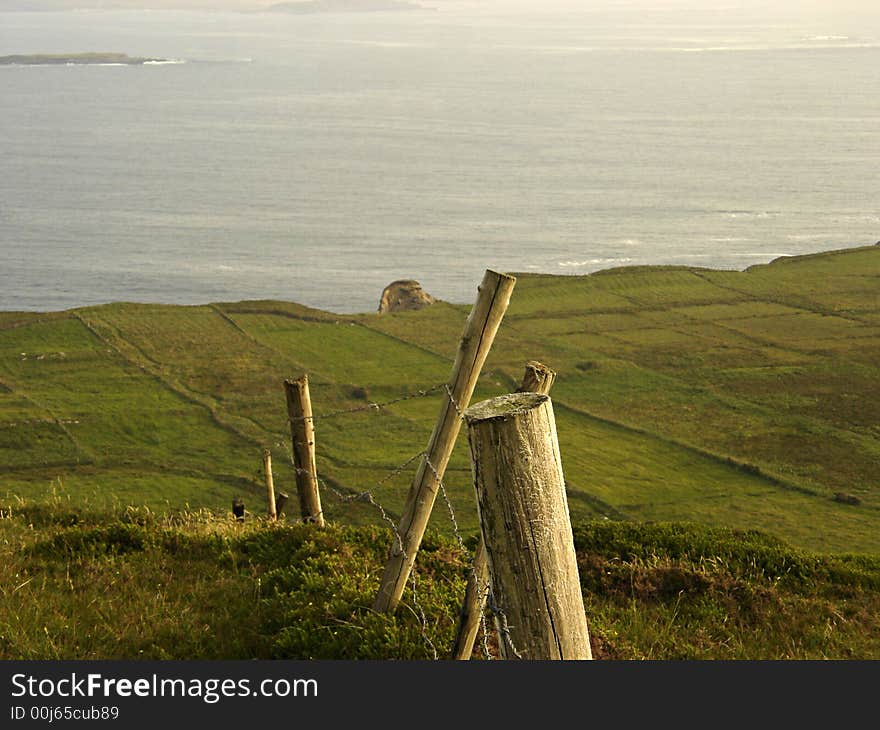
81	59
641	268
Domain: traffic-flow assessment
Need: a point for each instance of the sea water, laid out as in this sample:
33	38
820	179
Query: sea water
316	158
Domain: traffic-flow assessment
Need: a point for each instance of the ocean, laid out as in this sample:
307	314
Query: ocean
316	158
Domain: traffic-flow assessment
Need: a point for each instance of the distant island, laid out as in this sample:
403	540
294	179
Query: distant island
343	6
44	59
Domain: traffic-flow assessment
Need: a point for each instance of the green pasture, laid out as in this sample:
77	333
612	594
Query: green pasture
741	399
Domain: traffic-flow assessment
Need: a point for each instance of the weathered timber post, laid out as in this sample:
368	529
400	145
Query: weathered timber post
526	528
479	332
538	378
472	605
270	485
302	433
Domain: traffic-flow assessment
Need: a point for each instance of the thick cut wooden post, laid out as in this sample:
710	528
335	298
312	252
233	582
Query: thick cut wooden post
479	332
538	378
270	485
302	433
526	528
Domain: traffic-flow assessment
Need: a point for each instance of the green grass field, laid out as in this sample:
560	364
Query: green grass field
737	399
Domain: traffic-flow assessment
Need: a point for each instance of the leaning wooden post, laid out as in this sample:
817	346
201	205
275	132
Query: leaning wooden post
479	332
538	378
472	606
302	433
526	527
270	485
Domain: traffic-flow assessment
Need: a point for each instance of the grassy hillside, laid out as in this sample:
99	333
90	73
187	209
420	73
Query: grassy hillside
738	399
84	583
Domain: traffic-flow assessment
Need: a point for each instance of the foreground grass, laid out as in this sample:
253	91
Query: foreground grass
132	583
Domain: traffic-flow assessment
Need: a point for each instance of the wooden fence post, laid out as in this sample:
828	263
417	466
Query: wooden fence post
526	528
270	485
302	433
479	332
538	378
472	606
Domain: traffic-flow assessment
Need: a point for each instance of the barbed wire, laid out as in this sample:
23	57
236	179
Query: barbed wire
484	629
375	406
372	406
452	518
453	401
501	621
366	496
481	585
488	599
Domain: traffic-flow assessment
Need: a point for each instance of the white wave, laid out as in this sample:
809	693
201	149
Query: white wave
568	49
385	44
165	62
761	48
853	218
762	214
758	255
826	38
816	43
593	262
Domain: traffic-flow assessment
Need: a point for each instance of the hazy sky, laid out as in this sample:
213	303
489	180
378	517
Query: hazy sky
858	19
773	8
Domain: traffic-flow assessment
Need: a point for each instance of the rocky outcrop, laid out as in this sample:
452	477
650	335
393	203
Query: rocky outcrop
403	296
